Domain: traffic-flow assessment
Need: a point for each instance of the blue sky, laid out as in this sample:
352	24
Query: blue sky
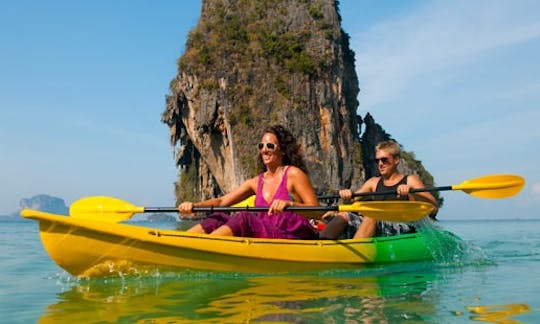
82	87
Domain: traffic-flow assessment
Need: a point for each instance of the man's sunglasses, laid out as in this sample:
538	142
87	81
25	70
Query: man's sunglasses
384	160
269	146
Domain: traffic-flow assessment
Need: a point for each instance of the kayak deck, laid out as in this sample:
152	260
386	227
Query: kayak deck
90	248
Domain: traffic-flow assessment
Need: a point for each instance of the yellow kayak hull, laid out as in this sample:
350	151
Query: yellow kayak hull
91	248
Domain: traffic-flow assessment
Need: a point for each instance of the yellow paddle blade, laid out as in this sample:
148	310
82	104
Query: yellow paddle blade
248	202
492	186
103	208
391	211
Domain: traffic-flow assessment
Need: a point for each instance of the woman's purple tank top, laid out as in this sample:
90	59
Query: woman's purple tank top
281	192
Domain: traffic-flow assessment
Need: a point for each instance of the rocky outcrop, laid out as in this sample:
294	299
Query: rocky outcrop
252	63
373	134
45	203
161	218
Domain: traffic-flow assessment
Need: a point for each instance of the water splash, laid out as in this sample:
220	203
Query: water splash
448	249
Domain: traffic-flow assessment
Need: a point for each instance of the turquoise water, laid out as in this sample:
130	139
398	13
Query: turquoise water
495	281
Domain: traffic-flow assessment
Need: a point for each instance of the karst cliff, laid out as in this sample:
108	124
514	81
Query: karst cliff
249	64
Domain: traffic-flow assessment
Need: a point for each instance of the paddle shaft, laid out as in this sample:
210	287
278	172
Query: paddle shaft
236	209
489	186
382	193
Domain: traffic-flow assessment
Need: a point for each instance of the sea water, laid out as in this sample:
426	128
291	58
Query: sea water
495	280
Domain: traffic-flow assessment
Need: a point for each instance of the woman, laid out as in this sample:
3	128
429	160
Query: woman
283	182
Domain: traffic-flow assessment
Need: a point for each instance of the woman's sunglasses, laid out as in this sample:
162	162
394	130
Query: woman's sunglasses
269	146
384	160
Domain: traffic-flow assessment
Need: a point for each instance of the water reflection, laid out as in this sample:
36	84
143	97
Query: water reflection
498	313
172	298
393	293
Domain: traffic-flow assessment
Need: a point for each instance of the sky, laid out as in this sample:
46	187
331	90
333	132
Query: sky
83	86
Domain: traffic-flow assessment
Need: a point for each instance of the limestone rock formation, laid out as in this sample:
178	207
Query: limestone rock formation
373	134
249	64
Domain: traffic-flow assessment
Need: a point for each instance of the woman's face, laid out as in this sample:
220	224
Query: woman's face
269	149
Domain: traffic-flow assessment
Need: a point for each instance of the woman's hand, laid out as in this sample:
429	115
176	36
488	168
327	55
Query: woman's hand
278	206
185	208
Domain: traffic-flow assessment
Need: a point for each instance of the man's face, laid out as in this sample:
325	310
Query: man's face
386	162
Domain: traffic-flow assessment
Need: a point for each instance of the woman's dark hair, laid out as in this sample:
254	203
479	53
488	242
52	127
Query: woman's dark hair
287	145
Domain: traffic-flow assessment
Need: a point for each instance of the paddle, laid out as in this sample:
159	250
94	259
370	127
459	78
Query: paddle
489	186
115	210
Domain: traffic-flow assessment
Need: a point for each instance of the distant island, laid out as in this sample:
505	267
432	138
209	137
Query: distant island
56	205
45	203
161	217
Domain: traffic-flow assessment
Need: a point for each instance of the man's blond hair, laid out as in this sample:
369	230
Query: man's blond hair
389	146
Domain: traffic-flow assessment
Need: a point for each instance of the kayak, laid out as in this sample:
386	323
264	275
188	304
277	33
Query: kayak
95	248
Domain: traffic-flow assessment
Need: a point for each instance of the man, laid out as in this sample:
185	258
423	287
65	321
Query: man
387	158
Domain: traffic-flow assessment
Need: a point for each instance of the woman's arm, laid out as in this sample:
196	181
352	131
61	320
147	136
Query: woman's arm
301	189
245	190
